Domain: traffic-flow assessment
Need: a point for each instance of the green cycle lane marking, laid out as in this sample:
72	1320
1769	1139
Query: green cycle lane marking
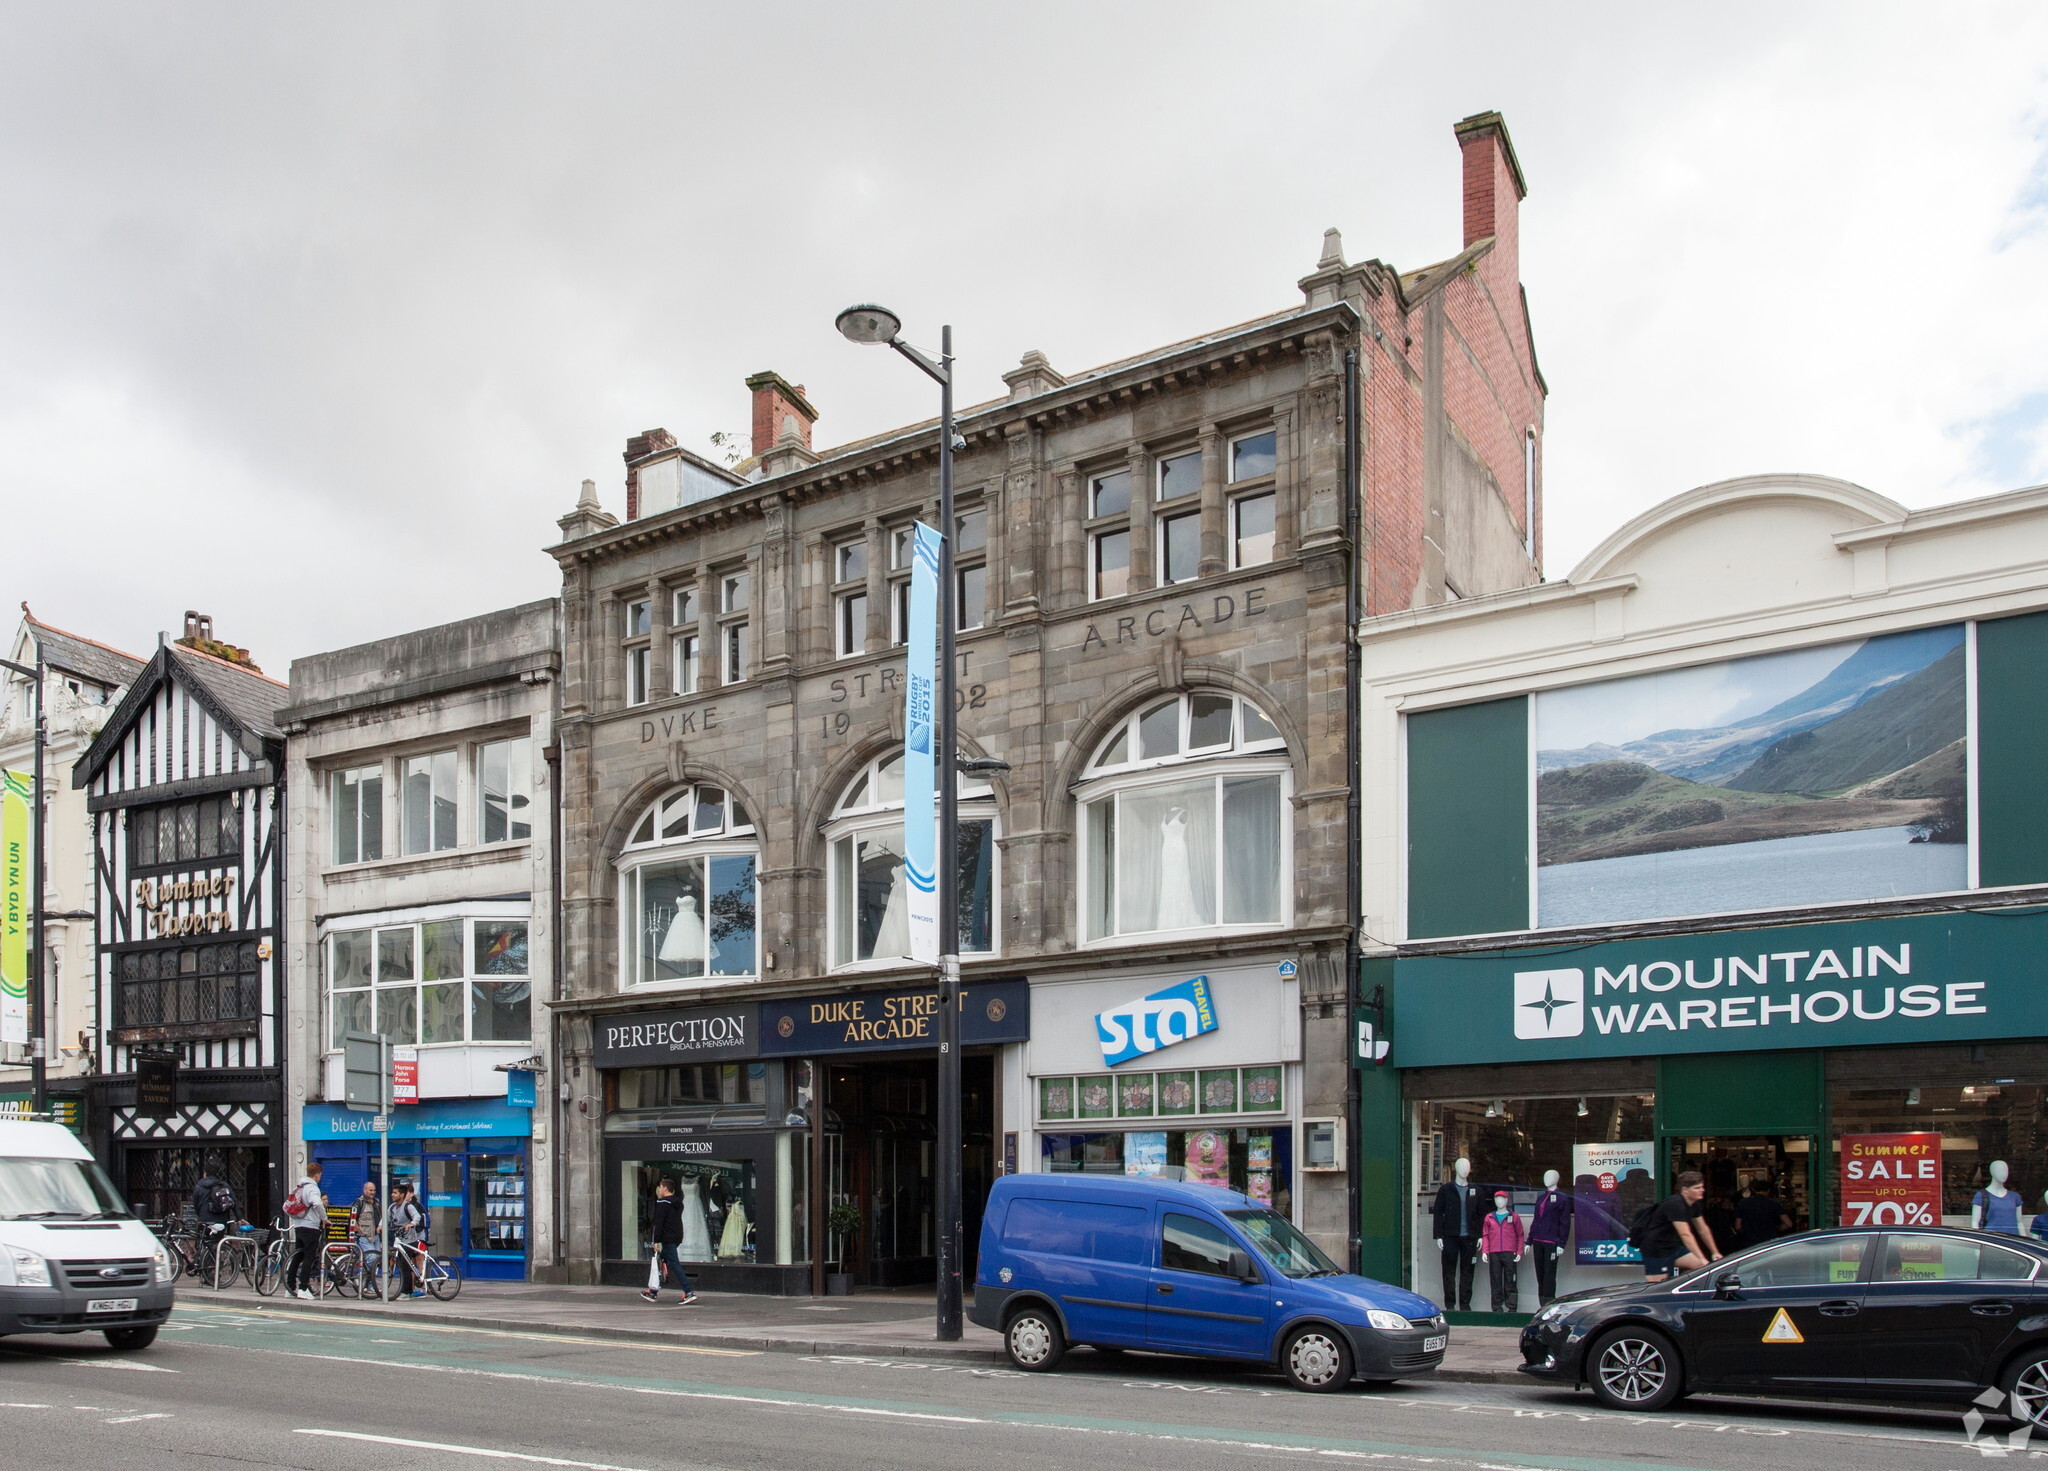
266	1317
951	1415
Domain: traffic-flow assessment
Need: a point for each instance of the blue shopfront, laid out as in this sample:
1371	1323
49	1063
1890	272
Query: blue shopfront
468	1158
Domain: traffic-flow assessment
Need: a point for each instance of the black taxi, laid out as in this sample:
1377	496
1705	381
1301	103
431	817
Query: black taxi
1928	1314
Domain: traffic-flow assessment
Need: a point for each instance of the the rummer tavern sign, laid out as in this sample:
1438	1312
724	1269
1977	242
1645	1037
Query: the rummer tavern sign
157	899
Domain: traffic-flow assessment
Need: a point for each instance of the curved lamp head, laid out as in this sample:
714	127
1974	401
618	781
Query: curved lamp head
869	324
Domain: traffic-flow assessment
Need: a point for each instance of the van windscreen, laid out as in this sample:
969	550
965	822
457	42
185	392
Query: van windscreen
1286	1248
1081	1228
56	1190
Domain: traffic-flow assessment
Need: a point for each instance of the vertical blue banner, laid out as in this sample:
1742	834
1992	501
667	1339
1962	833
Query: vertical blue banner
919	818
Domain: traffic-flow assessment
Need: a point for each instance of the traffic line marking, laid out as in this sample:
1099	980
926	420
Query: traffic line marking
465	1450
131	1419
272	1318
128	1364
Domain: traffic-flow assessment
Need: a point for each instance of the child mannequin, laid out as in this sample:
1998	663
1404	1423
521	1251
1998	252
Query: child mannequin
1502	1239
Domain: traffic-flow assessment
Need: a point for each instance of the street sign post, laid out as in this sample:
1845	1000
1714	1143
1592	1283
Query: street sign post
366	1088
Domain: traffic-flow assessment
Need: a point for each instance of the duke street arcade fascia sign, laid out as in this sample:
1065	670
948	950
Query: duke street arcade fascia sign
870	1021
1952	977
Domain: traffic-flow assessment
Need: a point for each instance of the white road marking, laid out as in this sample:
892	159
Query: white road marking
222	1319
14	1406
465	1450
131	1419
128	1364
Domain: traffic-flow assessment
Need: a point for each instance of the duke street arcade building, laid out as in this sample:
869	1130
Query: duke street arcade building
1152	560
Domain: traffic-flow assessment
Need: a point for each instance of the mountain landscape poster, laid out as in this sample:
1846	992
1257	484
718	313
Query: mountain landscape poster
1813	776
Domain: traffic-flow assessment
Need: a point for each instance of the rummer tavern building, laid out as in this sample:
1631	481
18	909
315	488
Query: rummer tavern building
1152	564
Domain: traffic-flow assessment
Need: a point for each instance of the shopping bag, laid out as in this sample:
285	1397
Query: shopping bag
654	1273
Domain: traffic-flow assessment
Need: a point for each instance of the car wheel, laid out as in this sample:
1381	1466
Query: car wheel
1033	1340
2025	1383
1316	1359
1634	1369
127	1340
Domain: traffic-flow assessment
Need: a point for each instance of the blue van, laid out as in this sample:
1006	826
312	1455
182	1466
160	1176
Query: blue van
1120	1263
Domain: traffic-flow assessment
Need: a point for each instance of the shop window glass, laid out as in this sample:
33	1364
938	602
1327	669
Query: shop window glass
497	1202
441	950
1256	1161
717	1200
427	792
501	947
500	1011
504	772
358	808
1978	1123
398	1014
445	981
441	1013
394	955
870	898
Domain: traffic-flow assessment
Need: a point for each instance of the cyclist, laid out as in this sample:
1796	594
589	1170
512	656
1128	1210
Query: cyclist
407	1231
306	1209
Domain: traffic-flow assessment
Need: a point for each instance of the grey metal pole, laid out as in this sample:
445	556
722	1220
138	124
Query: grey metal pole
947	872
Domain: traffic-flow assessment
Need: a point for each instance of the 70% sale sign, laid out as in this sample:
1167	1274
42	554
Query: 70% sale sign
1891	1179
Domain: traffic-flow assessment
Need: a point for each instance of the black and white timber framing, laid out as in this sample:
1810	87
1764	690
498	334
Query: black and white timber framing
185	789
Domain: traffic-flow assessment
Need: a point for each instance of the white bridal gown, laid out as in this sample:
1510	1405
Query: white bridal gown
892	937
684	941
696	1234
1176	882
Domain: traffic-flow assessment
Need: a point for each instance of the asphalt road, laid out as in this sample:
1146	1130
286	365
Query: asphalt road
274	1388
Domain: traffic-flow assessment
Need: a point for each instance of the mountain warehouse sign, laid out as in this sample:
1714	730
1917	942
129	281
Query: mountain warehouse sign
1930	978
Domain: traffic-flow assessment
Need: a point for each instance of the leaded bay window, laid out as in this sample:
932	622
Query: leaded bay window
358	814
870	897
504	784
439	981
688	881
1185	821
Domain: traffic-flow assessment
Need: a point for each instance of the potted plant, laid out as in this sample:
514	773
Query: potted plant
843	1221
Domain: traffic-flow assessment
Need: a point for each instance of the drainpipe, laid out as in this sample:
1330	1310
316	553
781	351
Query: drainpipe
1353	807
558	1125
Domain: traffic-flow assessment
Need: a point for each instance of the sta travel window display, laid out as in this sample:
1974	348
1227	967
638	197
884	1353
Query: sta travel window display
1255	1159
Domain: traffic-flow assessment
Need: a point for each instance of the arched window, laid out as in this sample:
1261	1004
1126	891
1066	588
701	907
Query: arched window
1185	821
870	908
687	886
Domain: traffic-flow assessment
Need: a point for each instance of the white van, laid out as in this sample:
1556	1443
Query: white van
72	1258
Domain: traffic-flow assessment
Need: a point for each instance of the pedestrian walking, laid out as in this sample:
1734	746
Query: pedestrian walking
1761	1215
408	1228
666	1221
306	1209
365	1219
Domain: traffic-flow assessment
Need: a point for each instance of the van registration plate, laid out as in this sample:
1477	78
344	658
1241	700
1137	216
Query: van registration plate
1431	1345
110	1305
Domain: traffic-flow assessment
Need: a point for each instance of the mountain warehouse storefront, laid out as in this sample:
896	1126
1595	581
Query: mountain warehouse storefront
719	1101
1865	1070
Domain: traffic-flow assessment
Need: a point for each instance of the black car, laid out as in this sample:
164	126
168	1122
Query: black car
1932	1315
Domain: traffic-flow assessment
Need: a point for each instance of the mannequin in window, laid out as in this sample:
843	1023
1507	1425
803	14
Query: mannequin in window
1455	1223
1995	1207
892	935
1548	1233
684	942
1177	909
696	1233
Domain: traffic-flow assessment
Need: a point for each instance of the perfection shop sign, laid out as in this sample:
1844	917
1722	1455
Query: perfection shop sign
1929	978
1891	1180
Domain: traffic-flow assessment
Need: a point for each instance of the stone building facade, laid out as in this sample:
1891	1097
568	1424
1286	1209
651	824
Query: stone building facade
1153	559
421	849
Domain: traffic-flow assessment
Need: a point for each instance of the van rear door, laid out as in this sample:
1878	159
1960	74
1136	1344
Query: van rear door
1090	1257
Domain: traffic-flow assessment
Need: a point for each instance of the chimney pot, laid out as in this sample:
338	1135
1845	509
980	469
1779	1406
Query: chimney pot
780	410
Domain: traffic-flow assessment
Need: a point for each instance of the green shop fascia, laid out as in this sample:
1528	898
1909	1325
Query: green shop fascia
1747	1054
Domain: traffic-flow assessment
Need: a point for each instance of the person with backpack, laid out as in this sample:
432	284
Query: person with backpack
365	1219
306	1209
1673	1233
215	1209
408	1227
666	1224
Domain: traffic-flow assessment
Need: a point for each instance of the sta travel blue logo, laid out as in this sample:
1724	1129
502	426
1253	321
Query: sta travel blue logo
1176	1014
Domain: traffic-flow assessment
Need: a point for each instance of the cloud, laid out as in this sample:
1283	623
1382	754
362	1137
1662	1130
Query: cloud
316	319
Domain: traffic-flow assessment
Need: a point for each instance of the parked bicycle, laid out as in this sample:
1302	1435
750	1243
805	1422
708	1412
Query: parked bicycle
236	1256
270	1267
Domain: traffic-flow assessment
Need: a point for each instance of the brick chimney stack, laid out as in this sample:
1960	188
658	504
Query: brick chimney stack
1494	188
779	406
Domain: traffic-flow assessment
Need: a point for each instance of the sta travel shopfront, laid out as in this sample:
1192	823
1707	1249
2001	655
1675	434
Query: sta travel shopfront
718	1101
467	1158
1859	1070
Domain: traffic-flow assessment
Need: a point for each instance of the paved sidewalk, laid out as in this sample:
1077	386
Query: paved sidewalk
893	1324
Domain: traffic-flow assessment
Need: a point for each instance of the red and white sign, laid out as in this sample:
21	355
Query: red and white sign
405	1075
1891	1179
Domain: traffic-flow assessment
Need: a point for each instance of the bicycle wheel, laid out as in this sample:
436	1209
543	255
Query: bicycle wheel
343	1274
442	1279
176	1252
269	1272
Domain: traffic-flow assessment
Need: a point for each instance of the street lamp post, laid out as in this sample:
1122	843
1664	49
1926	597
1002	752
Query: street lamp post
870	325
38	1062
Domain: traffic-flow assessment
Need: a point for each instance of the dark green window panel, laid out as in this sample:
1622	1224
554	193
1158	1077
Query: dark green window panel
2012	726
1741	1093
1468	819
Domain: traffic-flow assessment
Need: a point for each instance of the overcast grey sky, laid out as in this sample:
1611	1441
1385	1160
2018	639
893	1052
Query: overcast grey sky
314	317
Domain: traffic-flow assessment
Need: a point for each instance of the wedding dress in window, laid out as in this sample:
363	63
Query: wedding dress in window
1177	907
892	936
696	1233
684	941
